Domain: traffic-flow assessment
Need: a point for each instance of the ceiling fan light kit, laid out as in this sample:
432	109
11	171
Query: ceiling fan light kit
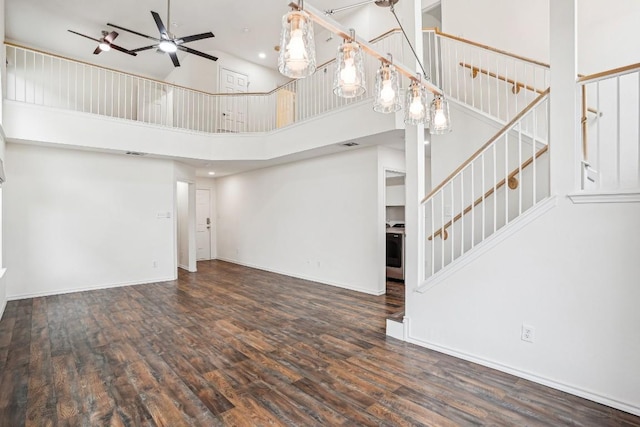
105	43
167	42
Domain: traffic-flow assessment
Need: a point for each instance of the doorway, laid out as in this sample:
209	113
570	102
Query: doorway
234	108
185	226
203	224
394	211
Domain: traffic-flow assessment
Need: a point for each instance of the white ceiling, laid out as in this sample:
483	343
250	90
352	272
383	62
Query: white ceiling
43	24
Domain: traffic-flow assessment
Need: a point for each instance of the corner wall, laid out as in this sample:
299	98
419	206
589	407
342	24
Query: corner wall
572	275
78	220
316	219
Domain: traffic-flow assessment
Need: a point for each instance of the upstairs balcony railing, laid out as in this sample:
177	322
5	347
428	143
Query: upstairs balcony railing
45	79
492	82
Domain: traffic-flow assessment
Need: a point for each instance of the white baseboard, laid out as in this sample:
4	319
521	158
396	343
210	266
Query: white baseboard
490	242
87	288
4	305
567	388
303	277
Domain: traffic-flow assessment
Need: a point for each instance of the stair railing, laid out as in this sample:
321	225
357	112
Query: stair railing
611	139
476	190
483	78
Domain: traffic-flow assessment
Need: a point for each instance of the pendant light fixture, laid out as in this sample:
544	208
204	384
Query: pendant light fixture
415	111
440	118
349	79
297	58
387	93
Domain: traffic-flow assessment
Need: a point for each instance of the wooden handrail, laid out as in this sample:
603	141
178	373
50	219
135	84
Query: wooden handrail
516	84
502	52
506	128
480	199
609	73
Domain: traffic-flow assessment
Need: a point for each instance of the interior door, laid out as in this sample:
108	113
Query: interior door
203	224
234	108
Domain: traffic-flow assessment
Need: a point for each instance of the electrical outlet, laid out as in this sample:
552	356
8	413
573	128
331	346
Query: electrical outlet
528	333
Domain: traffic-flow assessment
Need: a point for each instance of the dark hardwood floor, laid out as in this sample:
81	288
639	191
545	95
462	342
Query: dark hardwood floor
231	345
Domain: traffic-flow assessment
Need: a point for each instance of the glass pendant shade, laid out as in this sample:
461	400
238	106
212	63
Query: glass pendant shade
297	58
349	79
416	109
440	118
387	92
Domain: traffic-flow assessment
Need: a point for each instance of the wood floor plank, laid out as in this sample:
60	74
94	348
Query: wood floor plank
231	345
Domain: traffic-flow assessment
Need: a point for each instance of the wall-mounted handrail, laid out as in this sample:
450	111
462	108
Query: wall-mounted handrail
486	145
489	192
516	85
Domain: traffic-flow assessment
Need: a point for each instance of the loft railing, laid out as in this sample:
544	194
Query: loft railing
611	139
485	79
473	203
40	78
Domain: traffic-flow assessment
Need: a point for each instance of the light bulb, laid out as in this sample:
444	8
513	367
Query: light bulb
296	53
416	109
167	46
104	46
439	119
348	74
387	94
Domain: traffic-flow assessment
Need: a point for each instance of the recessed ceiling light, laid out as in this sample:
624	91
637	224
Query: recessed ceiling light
262	55
246	30
212	173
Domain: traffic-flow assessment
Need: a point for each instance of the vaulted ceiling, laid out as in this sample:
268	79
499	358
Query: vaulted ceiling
242	28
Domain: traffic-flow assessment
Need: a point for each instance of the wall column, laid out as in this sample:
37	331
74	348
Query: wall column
565	111
411	18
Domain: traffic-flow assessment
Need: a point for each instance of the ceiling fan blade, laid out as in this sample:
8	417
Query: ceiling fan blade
86	37
97	51
197	52
109	38
140	49
161	27
123	50
133	32
174	58
195	37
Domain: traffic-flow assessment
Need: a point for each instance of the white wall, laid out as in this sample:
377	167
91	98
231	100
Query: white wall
76	220
201	74
448	151
574	279
315	219
210	184
608	37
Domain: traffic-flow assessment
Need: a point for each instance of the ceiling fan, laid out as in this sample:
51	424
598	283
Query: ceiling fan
106	42
167	42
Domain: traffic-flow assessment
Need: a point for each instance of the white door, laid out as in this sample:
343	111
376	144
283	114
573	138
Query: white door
234	108
203	224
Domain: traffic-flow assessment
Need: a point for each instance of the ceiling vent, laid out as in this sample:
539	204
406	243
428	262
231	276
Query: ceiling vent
350	144
135	153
